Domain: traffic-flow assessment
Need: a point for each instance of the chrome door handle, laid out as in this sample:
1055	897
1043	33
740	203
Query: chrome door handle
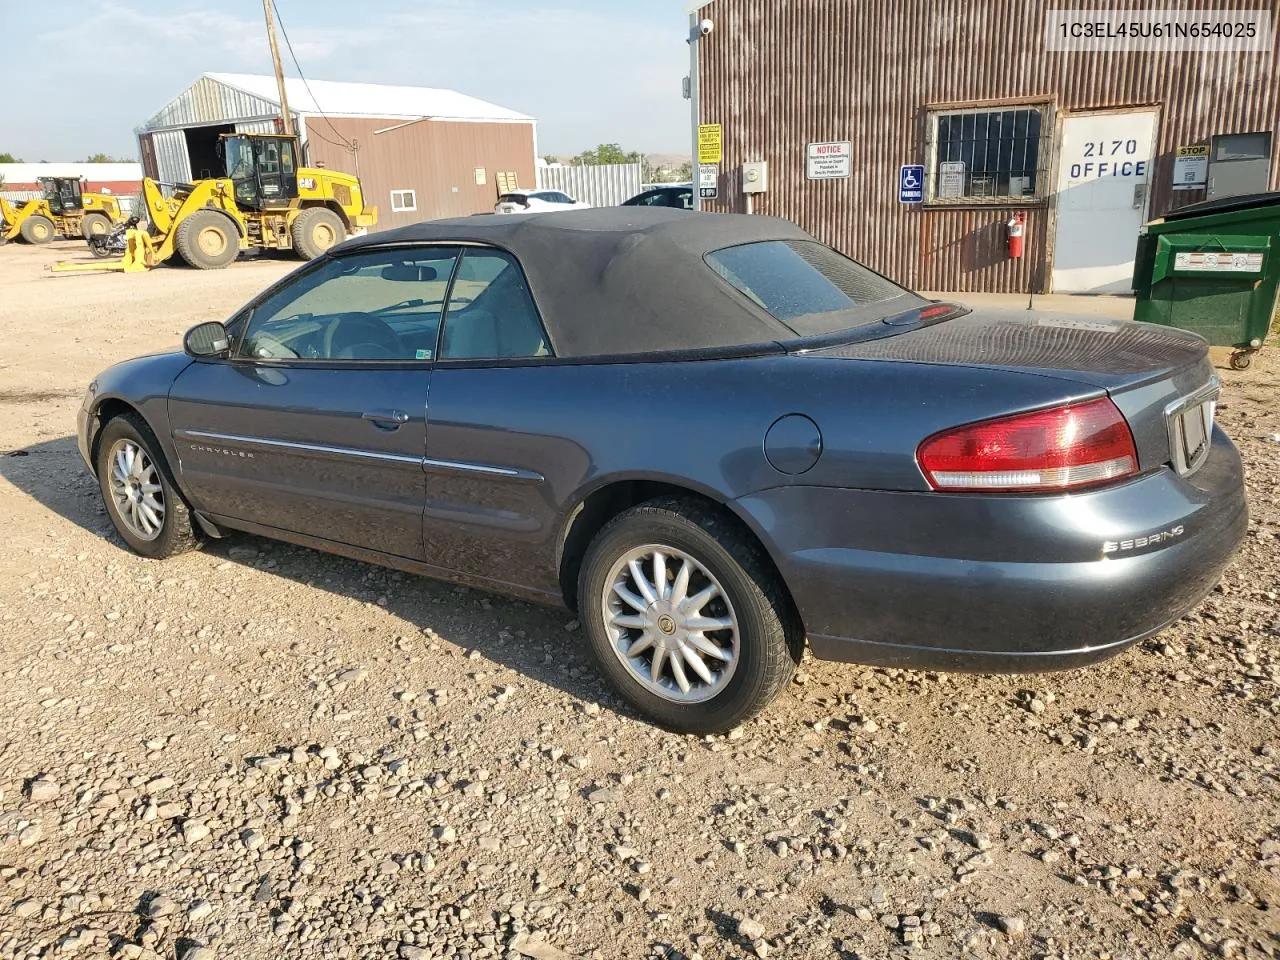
386	419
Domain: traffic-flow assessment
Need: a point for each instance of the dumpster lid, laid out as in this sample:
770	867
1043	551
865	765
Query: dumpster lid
1224	204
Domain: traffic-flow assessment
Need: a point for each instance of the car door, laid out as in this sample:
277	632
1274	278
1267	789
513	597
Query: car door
316	423
490	510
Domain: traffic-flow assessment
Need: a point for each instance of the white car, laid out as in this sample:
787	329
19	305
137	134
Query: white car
534	201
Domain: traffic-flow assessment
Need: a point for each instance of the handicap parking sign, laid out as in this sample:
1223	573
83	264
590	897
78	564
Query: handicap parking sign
911	183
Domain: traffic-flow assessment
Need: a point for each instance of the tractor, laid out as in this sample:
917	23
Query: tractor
264	201
64	210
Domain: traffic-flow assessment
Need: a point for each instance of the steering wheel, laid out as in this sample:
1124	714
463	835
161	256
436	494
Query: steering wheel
348	331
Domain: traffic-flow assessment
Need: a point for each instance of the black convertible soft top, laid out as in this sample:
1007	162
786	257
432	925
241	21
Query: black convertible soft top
621	280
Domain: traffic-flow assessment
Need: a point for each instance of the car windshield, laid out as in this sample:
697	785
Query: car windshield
809	287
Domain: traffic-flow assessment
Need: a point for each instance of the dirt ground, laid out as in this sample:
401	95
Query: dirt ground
258	751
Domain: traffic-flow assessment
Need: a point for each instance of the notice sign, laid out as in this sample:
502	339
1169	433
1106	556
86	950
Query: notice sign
710	143
1219	262
708	181
950	179
829	161
1191	167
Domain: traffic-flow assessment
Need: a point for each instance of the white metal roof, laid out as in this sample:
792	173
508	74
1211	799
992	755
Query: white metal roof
368	99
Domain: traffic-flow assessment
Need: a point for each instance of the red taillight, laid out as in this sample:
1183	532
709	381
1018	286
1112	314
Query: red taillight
1078	445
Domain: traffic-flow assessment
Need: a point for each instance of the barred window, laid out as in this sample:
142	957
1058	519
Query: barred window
987	152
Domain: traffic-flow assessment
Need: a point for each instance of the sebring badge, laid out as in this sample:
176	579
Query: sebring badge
1119	546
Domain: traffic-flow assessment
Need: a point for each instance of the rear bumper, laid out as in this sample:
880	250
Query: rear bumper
1002	584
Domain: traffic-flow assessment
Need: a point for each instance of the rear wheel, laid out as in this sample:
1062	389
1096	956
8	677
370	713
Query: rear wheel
95	225
686	617
141	500
315	231
207	240
37	229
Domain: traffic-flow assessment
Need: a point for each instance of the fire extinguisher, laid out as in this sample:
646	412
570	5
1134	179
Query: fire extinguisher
1016	226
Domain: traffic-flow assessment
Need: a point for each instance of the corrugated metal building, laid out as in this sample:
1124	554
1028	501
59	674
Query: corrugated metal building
1084	143
421	153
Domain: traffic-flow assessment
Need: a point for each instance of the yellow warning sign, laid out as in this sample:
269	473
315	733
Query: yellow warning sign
710	143
1195	150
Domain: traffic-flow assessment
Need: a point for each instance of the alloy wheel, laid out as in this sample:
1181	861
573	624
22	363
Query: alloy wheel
671	624
136	491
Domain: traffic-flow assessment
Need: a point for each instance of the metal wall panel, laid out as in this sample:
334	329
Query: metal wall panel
172	161
436	159
602	185
257	126
779	74
207	102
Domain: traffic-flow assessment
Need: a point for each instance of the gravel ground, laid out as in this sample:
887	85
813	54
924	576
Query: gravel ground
259	751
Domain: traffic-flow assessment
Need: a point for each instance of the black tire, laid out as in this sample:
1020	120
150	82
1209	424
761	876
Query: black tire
316	230
38	229
1241	360
208	240
100	250
176	533
770	637
95	225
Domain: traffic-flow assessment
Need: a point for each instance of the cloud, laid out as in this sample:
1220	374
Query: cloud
141	37
592	73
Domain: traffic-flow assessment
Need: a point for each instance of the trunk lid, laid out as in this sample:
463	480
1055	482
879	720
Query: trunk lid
1159	377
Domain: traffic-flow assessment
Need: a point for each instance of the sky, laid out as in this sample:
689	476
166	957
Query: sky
78	75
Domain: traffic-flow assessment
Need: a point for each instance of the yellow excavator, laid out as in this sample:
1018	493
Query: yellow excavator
64	210
264	201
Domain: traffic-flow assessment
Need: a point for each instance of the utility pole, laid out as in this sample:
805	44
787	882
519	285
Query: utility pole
285	115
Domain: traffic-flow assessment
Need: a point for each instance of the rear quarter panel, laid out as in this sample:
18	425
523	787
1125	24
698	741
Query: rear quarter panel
702	425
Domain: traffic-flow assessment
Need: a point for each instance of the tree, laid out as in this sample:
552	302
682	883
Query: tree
101	158
606	153
8	158
686	171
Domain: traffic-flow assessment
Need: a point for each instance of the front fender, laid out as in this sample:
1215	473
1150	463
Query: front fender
142	384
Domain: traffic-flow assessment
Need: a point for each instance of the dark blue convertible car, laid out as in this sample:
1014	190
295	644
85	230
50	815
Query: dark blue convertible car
713	437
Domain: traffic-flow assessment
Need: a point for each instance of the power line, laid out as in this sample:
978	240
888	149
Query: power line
297	66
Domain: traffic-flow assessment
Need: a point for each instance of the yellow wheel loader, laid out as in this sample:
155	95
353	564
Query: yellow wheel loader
65	210
265	201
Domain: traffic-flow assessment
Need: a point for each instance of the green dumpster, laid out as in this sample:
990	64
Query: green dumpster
1213	268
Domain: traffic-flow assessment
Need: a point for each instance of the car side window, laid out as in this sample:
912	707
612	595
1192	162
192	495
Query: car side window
380	305
491	314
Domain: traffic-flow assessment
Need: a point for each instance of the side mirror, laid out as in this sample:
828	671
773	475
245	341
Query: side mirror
206	340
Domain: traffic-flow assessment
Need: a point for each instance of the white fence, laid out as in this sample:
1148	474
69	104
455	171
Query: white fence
602	185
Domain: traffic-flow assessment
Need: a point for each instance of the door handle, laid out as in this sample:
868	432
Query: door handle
386	419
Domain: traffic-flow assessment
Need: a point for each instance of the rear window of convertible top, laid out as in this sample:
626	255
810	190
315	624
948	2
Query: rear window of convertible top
808	286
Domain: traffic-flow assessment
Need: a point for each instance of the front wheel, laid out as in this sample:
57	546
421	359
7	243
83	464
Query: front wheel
207	240
1241	359
141	500
37	229
686	617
